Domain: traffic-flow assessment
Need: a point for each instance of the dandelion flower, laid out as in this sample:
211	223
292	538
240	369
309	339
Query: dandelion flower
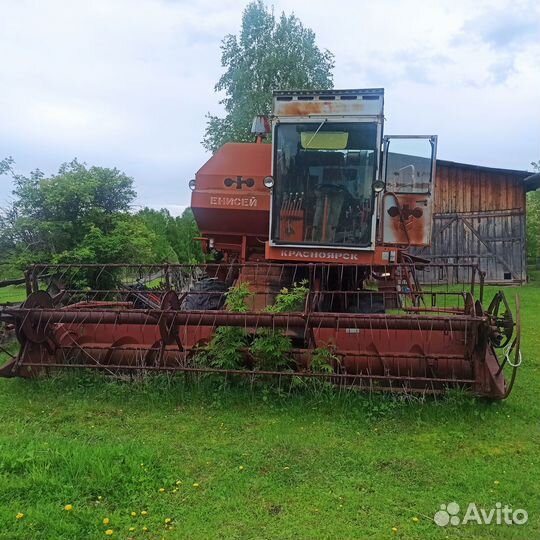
195	485
99	498
415	519
132	529
106	521
144	513
394	530
20	515
179	482
133	514
241	468
145	529
68	507
168	520
162	490
109	532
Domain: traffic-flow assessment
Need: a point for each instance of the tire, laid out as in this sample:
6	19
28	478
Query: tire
205	301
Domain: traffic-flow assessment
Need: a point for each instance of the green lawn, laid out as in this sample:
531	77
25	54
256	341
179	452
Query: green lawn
12	293
257	465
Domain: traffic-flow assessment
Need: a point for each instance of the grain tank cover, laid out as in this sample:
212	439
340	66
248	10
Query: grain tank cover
328	103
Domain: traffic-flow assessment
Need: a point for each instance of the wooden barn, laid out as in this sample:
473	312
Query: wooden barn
480	217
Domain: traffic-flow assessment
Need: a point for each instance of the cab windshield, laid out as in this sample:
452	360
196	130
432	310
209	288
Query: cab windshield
323	183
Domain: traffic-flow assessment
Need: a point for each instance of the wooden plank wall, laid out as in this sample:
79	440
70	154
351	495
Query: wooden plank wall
479	217
468	190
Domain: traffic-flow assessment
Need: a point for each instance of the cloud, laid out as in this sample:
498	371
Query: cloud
506	28
502	69
505	33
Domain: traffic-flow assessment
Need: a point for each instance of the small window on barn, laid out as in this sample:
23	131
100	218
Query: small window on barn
507	275
441	273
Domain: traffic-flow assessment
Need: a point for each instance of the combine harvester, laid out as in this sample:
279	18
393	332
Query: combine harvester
332	203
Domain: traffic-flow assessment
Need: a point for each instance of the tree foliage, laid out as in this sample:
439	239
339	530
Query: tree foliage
54	215
175	235
82	215
533	220
267	54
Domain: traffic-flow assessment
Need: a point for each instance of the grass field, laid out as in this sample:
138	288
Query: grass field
12	294
254	464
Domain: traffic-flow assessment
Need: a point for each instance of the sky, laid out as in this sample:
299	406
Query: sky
127	83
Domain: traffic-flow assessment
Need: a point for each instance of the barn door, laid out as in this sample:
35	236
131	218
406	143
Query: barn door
407	202
494	240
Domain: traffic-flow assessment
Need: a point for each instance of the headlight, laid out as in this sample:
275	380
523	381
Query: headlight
191	184
268	182
378	186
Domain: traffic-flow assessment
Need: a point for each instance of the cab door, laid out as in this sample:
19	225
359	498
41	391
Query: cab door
407	201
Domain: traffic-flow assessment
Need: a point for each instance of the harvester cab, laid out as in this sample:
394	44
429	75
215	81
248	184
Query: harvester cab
340	189
331	211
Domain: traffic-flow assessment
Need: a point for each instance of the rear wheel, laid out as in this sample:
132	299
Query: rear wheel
206	294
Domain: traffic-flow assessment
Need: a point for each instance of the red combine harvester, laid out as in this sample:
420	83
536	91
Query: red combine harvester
331	204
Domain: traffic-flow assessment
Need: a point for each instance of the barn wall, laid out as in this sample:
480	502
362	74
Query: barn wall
469	190
479	217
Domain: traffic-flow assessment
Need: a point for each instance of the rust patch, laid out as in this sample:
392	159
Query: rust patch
409	227
305	108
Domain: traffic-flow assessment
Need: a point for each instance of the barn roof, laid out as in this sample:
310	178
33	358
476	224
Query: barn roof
531	180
